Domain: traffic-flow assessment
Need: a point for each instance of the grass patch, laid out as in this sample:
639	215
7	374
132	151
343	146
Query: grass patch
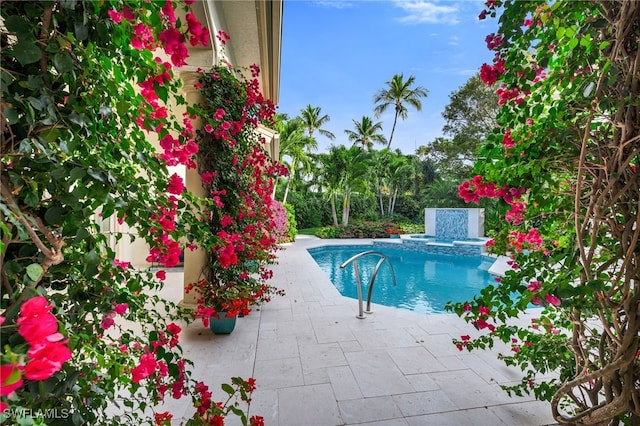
308	231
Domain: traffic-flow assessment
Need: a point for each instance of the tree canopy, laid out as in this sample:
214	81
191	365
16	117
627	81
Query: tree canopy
399	94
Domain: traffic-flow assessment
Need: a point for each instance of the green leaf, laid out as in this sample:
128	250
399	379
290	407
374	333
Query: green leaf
77	119
54	215
32	198
11	115
63	62
35	82
97	175
107	210
92	257
27	52
227	388
585	42
51	135
162	93
81	31
77	173
573	43
17	25
34	272
36	103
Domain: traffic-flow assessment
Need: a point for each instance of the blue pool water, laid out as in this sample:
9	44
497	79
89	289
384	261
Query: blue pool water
425	282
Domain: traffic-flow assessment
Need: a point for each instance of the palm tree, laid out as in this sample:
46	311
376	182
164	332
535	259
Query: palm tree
343	173
366	133
313	120
295	145
399	94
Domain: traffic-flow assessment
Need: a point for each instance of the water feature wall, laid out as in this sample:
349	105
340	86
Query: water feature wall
454	224
423	246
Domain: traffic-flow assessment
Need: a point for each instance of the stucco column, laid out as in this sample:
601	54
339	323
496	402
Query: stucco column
194	261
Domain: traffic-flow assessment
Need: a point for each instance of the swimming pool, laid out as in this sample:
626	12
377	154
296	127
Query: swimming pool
425	281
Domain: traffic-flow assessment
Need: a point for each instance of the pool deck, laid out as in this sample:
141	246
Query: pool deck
316	364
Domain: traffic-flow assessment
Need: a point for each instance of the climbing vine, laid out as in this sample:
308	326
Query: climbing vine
564	161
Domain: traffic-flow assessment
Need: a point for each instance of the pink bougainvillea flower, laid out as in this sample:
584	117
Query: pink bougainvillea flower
36	322
256	421
144	369
219	114
143	38
128	13
46	359
107	321
228	256
173	328
199	34
115	16
226	221
534	286
507	141
121	264
120	308
552	300
34	307
223	37
161	275
493	41
164	418
481	324
173	42
176	184
168	12
488	74
10	379
483	310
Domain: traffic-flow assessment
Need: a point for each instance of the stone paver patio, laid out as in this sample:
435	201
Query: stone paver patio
316	364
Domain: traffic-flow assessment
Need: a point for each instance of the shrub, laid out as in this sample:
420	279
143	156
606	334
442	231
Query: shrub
292	229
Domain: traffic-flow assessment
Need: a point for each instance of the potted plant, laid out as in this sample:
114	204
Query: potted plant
395	231
220	301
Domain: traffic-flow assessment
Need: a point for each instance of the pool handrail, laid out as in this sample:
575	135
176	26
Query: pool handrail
354	259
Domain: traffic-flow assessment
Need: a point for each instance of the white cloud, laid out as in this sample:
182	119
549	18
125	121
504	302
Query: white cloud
454	41
427	12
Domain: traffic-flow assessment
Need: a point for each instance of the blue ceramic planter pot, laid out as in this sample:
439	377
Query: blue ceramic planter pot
222	325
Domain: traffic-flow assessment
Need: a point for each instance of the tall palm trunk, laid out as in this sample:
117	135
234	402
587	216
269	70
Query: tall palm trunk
392	204
346	202
286	189
393	129
334	213
380	200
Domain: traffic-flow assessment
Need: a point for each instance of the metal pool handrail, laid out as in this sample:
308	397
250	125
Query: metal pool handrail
354	259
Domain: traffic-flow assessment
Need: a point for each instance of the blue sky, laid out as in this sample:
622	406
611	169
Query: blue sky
337	54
